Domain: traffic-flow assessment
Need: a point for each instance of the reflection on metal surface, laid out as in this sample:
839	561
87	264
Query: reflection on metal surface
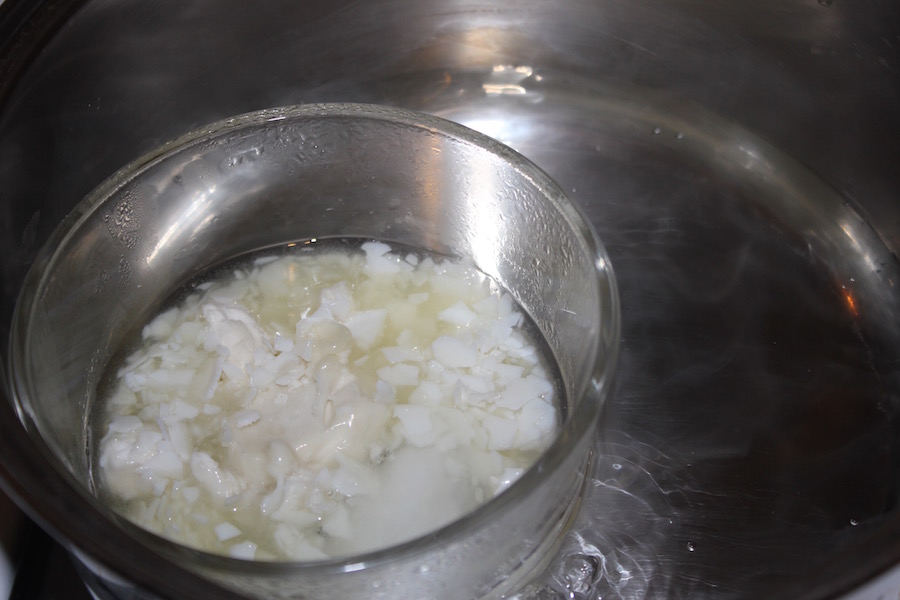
868	264
506	79
851	304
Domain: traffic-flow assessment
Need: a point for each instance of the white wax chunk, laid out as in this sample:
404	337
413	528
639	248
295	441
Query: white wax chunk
323	404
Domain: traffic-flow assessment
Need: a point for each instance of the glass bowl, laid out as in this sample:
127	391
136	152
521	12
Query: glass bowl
276	177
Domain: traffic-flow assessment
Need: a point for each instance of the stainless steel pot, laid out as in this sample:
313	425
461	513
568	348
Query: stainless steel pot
738	159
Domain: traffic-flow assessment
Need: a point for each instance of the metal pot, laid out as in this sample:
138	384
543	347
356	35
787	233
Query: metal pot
738	160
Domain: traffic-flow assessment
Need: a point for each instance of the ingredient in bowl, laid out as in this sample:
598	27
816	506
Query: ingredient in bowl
325	403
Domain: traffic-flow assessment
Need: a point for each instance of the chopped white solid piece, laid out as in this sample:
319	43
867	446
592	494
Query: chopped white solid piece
125	424
283	344
179	410
378	261
236	330
217	481
453	352
226	531
245	418
337	524
162	326
325	403
165	463
501	432
400	374
427	393
416	419
366	326
243	550
295	544
170	378
384	391
507	478
338	300
536	419
458	314
395	354
190	493
521	391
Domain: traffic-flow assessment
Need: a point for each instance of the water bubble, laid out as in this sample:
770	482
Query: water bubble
657	131
579	573
245	156
691	547
679	135
853	522
617	466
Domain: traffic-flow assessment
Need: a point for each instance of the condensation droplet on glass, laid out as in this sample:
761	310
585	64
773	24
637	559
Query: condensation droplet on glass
691	547
852	279
679	135
657	131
